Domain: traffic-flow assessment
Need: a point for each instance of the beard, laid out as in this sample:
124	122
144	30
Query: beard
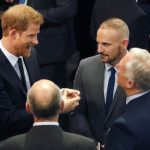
23	50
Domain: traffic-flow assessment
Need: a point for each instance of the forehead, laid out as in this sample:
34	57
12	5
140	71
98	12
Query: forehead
107	34
32	26
32	29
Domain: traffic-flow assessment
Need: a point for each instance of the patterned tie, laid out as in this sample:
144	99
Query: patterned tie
110	89
22	73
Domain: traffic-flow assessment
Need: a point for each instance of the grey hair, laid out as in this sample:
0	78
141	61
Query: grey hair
138	69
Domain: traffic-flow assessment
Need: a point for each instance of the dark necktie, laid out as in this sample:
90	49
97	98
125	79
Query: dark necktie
110	89
22	73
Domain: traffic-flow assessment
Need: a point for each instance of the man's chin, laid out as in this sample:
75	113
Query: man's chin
28	53
105	60
29	49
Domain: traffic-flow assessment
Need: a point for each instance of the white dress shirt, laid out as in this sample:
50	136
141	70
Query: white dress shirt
13	61
45	123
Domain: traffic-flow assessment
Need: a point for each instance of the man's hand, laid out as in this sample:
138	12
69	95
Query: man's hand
71	99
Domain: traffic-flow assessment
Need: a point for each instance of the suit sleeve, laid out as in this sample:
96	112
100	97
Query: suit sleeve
121	137
79	122
64	10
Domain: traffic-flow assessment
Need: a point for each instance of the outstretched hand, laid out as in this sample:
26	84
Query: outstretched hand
71	99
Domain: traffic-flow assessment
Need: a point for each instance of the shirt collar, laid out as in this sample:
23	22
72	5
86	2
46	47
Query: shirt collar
45	123
108	66
130	98
11	58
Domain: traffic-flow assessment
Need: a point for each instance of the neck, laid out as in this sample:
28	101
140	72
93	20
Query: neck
132	92
54	119
122	54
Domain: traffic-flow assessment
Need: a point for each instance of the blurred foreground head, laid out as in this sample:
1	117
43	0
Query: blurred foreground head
134	71
44	100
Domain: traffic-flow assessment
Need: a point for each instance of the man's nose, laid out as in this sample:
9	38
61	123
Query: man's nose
100	48
35	40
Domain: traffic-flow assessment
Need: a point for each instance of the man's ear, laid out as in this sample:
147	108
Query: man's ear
125	43
13	33
130	84
61	106
28	108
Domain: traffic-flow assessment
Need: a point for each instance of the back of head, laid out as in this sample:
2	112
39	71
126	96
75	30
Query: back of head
19	17
44	99
118	25
138	69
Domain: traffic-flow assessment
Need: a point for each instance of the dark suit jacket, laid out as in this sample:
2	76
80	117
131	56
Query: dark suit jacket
132	130
143	1
13	117
130	12
145	5
56	38
48	138
4	5
89	118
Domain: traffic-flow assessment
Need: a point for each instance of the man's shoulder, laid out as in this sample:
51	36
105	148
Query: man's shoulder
17	138
13	141
78	139
91	60
91	65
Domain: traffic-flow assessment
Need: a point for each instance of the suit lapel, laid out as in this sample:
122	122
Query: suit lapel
10	72
29	67
32	67
118	93
98	85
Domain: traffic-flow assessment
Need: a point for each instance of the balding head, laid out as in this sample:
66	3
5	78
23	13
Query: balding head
44	99
118	25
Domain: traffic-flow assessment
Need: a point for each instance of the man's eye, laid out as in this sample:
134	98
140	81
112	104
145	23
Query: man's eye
106	44
32	35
